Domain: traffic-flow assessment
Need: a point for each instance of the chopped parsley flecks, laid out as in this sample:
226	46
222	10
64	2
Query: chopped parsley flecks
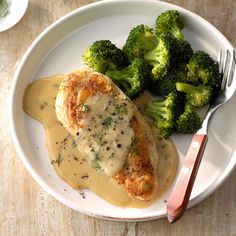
134	147
43	104
133	141
4	8
99	139
54	85
120	110
85	108
135	150
59	159
107	121
74	143
96	156
96	165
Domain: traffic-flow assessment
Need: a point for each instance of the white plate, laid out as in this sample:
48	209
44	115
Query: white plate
16	11
58	50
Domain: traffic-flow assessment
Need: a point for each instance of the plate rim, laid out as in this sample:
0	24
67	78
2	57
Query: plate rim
20	152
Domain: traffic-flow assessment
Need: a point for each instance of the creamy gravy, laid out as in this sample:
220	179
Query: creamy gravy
106	134
39	100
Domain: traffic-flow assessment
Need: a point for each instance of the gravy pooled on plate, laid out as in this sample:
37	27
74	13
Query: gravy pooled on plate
72	165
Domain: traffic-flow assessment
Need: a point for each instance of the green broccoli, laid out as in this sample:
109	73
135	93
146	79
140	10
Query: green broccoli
189	121
181	73
163	56
170	21
165	113
202	69
164	86
185	52
141	39
197	96
132	79
102	54
167	84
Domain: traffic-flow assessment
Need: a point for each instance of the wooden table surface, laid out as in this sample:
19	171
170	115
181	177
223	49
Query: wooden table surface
26	209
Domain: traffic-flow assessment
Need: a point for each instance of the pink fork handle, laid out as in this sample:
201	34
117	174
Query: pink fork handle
180	195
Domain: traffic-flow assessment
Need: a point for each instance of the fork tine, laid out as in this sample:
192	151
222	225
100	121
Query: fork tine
232	68
225	67
220	60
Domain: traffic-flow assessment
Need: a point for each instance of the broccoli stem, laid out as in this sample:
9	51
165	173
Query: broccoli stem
152	56
187	88
156	109
149	42
123	78
177	32
156	55
100	68
198	96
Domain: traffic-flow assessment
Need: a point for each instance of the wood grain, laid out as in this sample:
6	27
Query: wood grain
26	209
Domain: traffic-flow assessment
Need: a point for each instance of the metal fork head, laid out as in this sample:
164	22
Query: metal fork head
227	67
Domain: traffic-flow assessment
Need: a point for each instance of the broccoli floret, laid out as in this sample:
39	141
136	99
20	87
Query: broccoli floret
203	69
189	121
170	21
132	79
163	56
103	54
167	84
141	38
197	96
181	73
185	52
164	86
165	113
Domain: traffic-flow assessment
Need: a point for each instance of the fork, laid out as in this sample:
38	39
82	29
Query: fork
180	194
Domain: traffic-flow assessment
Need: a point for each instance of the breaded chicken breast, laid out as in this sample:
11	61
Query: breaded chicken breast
110	131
